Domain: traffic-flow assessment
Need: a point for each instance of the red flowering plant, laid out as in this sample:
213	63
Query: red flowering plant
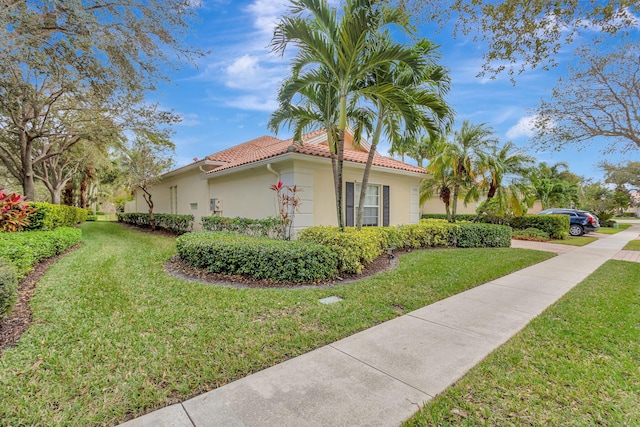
14	212
288	205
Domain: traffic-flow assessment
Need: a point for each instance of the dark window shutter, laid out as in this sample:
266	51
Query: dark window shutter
349	199
385	205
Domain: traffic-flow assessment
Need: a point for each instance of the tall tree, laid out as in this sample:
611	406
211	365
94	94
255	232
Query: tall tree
507	191
144	160
341	46
623	174
441	178
404	102
464	153
523	34
95	53
600	98
555	185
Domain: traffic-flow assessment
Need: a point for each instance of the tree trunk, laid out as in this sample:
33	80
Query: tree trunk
454	203
340	164
367	170
28	183
83	192
147	198
68	194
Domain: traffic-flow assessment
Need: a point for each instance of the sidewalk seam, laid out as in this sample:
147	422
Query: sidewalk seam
382	372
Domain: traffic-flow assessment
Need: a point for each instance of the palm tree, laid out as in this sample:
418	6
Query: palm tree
441	178
344	48
554	184
506	189
404	102
464	155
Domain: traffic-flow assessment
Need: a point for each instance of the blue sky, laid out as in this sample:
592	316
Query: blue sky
228	97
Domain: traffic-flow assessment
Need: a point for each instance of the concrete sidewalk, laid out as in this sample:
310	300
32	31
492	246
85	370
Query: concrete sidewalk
383	375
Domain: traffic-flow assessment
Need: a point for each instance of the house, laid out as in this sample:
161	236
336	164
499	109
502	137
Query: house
236	183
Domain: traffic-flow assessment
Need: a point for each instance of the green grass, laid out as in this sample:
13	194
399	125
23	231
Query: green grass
633	245
574	241
574	365
114	337
612	230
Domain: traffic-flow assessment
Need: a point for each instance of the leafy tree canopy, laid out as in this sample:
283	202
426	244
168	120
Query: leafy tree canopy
523	34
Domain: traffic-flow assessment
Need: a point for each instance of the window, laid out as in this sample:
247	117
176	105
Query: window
376	204
173	199
371	214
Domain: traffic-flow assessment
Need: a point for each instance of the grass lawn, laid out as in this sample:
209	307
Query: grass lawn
633	245
115	337
574	365
611	230
574	240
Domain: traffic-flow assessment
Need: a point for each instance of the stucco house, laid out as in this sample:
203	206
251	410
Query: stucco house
236	183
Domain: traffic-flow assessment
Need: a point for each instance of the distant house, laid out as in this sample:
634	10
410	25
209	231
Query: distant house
236	183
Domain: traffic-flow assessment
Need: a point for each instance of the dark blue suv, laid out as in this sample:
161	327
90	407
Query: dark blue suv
580	221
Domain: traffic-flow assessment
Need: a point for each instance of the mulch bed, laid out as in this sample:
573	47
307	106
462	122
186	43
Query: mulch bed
13	326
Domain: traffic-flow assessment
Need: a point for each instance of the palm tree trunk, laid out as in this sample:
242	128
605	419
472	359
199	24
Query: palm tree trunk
338	179
454	203
367	169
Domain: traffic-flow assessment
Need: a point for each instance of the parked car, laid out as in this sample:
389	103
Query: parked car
580	222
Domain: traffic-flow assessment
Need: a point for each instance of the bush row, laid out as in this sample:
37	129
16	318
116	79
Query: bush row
556	226
8	287
270	227
259	257
27	248
49	216
176	223
355	249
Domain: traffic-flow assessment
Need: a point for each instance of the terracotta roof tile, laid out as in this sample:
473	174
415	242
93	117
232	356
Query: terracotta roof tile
267	147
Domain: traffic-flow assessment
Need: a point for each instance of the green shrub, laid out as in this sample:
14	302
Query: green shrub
354	248
531	234
92	217
258	257
459	217
8	287
269	227
27	248
178	224
49	216
470	235
556	226
427	233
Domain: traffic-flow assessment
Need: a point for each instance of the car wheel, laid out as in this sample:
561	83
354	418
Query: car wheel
576	230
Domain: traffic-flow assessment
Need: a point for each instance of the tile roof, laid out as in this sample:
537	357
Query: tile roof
266	147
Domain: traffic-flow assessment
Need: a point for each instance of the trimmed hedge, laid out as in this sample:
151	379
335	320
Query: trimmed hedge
8	287
355	249
178	224
556	226
49	216
428	233
27	248
532	234
258	257
470	235
459	217
270	227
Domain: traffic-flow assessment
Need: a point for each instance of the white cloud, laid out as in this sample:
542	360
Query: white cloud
189	119
254	103
524	127
266	14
